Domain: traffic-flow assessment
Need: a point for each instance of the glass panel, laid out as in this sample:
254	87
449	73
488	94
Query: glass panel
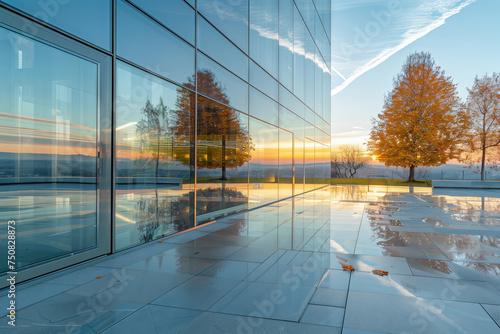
327	88
223	146
263	107
309	164
153	122
299	31
286	43
230	17
307	10
310	65
87	19
175	14
219	48
264	34
263	81
291	101
230	90
155	51
263	169
324	10
309	130
285	164
318	83
291	122
48	145
298	164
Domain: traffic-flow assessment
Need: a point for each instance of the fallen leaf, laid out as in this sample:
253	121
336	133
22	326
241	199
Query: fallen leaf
380	272
348	267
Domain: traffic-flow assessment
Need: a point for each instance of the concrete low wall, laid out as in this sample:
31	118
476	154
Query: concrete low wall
466	184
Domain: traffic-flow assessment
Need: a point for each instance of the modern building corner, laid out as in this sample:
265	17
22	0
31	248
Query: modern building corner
125	122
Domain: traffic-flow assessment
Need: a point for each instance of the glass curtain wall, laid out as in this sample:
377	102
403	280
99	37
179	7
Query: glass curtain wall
48	149
219	106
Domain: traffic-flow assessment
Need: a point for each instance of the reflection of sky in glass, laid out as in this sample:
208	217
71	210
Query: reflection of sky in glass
177	16
230	17
263	107
264	34
221	49
133	90
148	44
48	138
89	19
49	108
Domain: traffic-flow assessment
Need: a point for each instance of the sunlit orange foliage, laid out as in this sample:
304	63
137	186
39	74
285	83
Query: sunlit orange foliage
421	122
221	131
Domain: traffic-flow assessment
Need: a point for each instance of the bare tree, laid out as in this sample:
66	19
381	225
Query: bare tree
347	159
483	109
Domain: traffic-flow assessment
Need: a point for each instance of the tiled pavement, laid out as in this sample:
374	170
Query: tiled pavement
277	269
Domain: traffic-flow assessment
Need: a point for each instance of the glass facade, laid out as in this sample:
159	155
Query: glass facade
125	121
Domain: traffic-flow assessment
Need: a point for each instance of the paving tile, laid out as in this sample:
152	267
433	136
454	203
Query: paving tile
251	254
230	269
155	319
132	285
402	314
493	311
335	279
273	301
26	296
216	323
204	249
168	263
282	273
77	313
432	268
264	266
329	297
394	265
357	331
186	237
198	293
323	315
126	258
81	276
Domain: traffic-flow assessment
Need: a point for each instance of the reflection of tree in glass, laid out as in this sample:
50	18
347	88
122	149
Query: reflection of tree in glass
216	124
225	198
154	130
157	218
348	193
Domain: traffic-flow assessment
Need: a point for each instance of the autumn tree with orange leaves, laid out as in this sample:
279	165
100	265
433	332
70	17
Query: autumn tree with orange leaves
483	109
421	122
222	136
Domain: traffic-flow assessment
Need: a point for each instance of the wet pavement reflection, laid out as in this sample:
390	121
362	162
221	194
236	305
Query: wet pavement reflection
342	259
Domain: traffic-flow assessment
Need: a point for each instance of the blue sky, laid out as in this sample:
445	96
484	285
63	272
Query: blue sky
372	38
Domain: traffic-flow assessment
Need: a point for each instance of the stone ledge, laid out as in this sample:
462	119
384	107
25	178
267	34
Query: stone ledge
466	184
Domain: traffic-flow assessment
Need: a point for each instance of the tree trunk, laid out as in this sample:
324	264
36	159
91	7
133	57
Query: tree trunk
224	157
157	218
483	163
411	178
157	160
